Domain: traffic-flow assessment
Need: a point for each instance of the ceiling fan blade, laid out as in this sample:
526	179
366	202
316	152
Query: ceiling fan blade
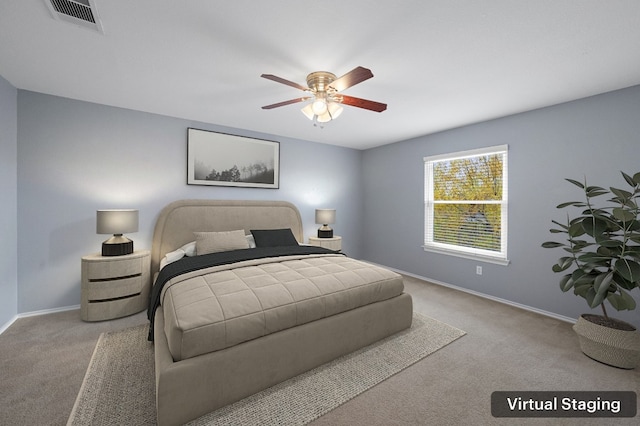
289	102
353	77
283	81
363	103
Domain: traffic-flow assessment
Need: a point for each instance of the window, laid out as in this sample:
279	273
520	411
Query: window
465	204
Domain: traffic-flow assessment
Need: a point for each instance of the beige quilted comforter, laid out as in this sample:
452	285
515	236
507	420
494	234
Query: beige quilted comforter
222	306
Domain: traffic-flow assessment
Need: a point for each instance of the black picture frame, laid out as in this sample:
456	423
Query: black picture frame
221	159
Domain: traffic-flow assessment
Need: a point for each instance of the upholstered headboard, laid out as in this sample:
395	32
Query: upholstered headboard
179	220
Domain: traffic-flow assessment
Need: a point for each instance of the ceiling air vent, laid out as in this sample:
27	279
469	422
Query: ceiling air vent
78	12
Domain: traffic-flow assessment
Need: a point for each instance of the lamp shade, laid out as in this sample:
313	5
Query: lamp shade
116	221
325	216
308	111
335	109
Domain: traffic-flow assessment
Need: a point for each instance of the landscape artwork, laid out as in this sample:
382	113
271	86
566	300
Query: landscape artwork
228	160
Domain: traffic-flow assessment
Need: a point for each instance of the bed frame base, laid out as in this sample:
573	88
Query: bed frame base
190	388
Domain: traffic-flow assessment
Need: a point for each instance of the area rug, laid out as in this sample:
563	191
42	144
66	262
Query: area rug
119	386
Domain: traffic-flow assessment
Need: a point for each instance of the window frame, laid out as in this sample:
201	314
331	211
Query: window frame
477	254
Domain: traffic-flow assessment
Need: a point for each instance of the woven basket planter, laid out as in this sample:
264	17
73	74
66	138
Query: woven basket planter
618	348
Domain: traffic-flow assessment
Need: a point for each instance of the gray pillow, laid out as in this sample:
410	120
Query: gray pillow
214	242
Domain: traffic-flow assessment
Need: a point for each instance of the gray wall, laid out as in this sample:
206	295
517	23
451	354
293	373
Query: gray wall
596	137
8	202
76	157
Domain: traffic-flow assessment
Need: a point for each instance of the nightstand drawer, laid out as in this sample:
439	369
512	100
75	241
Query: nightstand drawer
102	290
100	311
120	268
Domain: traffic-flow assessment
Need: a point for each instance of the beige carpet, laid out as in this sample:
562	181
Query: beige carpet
119	384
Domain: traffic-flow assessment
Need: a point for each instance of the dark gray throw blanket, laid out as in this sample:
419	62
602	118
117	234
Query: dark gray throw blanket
189	264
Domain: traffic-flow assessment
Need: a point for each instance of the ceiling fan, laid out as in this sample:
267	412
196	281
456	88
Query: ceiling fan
325	90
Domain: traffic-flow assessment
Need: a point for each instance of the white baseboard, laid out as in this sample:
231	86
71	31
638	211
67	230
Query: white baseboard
36	313
48	311
7	325
487	296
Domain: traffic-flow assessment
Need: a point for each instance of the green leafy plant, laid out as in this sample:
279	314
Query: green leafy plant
602	245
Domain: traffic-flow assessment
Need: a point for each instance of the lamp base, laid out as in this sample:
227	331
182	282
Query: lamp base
117	246
325	232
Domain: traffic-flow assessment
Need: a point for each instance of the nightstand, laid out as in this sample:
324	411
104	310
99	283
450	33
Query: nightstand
114	286
333	243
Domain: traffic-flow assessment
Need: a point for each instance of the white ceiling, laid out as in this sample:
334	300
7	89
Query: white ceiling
438	64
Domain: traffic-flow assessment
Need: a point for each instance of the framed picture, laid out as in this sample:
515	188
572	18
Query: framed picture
227	160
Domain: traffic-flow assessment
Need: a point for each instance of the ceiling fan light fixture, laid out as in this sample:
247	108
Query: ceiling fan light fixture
332	111
319	105
324	118
335	109
308	111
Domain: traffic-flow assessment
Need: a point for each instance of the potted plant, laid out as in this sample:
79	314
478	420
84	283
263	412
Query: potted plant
602	264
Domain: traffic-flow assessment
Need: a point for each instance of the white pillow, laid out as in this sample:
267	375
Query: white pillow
189	249
171	257
214	242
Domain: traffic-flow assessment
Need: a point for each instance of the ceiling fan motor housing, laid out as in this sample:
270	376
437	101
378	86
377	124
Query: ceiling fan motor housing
319	81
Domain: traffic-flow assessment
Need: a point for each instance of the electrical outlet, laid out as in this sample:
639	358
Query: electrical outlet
478	270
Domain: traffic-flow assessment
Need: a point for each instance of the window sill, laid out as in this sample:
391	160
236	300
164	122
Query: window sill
471	256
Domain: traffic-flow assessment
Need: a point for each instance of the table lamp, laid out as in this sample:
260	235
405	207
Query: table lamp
117	222
325	217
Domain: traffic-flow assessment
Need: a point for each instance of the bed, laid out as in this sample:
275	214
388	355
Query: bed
225	330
